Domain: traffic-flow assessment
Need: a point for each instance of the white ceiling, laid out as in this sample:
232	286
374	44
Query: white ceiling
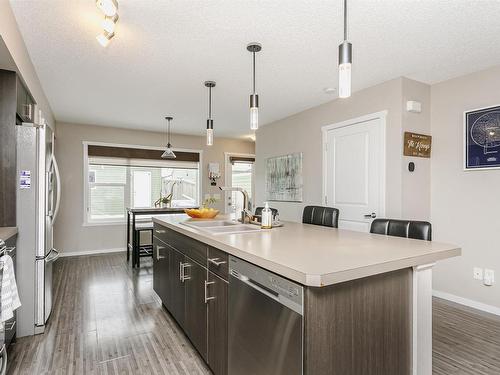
165	49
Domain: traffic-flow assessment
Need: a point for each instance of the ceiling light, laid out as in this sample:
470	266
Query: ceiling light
109	23
345	61
329	90
168	153
254	98
108	7
210	121
104	38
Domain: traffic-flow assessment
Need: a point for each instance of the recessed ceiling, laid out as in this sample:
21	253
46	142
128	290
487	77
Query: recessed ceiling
164	51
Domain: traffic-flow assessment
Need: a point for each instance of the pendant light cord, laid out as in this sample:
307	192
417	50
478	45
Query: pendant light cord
168	131
253	72
345	19
209	103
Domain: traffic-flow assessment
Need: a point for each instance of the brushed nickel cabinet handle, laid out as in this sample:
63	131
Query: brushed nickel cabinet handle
184	277
215	261
158	256
160	231
207	283
181	269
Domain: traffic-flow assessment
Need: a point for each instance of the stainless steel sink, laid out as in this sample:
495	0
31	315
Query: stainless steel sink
222	226
210	223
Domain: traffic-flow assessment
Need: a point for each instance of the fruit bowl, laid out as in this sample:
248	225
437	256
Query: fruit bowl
202	213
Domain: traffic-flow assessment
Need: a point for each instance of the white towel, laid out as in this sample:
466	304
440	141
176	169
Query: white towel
9	298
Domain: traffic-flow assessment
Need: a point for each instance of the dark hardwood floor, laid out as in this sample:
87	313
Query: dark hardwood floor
106	321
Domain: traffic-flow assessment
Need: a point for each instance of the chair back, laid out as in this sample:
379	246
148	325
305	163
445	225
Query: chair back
319	215
419	230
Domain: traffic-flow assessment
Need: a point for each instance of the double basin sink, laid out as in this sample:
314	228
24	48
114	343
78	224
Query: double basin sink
222	226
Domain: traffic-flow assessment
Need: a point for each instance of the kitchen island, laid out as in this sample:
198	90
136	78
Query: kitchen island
365	300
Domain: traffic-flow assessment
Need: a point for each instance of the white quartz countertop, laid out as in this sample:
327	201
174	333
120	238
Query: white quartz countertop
318	256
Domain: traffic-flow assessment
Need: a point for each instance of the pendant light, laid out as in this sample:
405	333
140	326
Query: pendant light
254	98
345	61
169	153
210	121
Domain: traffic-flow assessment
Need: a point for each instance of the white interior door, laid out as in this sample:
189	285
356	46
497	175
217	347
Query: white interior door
355	171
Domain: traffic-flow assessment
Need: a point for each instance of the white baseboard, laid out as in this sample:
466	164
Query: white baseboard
467	302
91	252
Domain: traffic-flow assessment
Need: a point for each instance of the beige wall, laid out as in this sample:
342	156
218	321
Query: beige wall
11	36
302	133
465	206
70	234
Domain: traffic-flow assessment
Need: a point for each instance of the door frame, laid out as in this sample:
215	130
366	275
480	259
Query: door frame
382	116
227	180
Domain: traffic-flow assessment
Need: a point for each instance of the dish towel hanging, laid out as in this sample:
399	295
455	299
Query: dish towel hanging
9	298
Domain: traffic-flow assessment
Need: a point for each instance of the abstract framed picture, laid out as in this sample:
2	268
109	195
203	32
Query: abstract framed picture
284	178
482	138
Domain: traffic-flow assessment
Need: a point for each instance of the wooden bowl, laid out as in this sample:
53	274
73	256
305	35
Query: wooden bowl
202	213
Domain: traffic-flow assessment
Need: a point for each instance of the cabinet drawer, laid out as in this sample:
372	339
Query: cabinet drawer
218	262
186	245
160	233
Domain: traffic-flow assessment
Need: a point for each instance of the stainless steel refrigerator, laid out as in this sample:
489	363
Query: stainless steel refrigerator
38	198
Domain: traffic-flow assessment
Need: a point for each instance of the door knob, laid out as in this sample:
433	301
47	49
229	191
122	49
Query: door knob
373	215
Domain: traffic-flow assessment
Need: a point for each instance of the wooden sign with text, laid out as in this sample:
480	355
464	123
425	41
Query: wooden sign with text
417	145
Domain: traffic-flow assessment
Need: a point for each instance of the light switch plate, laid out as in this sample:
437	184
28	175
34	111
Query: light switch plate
489	277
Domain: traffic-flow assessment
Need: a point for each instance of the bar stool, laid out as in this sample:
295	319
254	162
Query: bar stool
418	230
319	215
138	250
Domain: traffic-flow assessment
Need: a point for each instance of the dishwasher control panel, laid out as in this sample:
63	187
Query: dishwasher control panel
270	283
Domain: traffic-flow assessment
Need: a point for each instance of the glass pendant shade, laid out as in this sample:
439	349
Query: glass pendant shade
254	118
210	137
168	153
345	80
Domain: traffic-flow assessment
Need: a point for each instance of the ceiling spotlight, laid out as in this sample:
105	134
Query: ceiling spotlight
104	38
109	24
329	90
108	7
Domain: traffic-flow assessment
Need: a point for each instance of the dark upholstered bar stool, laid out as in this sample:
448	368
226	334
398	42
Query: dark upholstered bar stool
419	230
318	215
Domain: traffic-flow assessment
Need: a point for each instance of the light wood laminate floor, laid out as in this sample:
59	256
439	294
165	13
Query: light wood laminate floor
106	321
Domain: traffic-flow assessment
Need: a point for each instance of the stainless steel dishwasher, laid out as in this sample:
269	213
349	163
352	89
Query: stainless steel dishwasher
266	322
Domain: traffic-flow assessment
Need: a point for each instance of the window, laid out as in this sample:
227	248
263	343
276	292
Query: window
240	174
115	183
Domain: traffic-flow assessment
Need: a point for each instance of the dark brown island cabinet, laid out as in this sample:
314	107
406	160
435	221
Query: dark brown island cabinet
191	280
361	326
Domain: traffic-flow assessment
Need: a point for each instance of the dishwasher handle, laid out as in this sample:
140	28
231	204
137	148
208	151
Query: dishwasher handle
253	284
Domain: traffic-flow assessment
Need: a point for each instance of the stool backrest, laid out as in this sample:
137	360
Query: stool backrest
419	230
319	215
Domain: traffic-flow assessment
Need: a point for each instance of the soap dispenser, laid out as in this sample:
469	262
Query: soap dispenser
267	217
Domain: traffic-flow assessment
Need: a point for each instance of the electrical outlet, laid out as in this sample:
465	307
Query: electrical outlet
489	277
478	273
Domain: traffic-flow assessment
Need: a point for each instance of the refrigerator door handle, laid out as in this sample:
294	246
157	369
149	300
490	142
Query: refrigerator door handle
53	255
58	189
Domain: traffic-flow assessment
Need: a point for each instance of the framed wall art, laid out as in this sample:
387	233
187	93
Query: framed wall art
482	138
284	178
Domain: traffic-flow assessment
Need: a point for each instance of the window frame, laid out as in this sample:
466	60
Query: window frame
86	185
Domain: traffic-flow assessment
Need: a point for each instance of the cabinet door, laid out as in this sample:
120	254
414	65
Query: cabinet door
160	270
196	309
217	324
176	302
